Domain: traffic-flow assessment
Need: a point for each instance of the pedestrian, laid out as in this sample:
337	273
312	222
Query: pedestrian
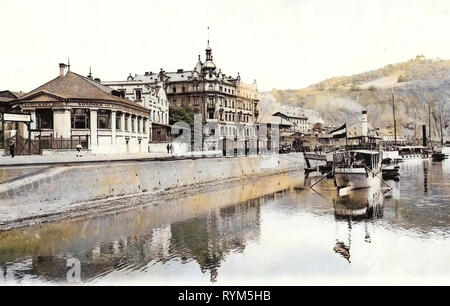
12	149
171	148
168	148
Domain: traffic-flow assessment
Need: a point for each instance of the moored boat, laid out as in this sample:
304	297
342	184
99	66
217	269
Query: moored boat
356	169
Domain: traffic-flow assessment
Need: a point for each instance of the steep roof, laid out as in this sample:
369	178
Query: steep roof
75	86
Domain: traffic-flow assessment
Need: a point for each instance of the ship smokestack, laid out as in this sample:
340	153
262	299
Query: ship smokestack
364	124
424	135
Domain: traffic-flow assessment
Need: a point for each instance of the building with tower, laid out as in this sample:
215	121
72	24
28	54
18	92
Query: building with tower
220	98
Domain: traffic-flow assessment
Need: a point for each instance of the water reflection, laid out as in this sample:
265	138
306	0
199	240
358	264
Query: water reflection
267	231
202	228
359	205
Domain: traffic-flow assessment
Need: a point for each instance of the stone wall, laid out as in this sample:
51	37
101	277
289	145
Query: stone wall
59	188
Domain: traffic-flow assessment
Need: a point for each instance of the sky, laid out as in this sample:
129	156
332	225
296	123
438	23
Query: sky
281	44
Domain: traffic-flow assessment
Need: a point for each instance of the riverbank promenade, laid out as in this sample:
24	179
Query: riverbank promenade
30	160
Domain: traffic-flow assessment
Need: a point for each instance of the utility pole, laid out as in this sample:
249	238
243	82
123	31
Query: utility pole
395	121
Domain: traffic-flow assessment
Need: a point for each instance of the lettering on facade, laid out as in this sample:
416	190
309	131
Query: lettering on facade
17	117
95	104
38	104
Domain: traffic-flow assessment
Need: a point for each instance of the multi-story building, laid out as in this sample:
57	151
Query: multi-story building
299	123
218	97
148	92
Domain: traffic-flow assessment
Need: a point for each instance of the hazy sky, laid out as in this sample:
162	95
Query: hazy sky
281	44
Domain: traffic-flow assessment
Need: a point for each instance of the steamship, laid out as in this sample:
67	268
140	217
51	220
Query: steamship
359	165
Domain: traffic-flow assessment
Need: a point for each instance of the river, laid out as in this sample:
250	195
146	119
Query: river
267	231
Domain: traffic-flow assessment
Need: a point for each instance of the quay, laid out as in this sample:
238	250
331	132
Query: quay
43	193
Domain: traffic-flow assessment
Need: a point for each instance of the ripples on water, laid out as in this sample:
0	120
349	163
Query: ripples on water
269	231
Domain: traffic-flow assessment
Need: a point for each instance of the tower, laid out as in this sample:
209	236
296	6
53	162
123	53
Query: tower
209	65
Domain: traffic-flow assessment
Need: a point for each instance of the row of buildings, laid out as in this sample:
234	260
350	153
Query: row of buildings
125	116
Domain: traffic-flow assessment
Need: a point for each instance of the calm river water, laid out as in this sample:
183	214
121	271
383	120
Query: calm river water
269	232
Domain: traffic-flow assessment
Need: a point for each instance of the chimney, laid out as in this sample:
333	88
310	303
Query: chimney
364	126
62	68
424	135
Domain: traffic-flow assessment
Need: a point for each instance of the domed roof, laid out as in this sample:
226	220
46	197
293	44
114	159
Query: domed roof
209	65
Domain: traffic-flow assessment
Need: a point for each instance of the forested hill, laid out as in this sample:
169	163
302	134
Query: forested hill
416	83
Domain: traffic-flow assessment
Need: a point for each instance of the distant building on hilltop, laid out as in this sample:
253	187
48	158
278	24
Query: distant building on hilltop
420	57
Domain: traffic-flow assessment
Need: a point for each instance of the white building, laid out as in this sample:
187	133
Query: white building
72	109
148	92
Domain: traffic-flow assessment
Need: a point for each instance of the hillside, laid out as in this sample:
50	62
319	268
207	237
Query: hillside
415	83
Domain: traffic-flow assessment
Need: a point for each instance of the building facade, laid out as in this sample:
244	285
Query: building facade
299	124
219	98
73	109
149	93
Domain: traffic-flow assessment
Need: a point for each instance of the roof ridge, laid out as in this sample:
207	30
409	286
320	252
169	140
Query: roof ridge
35	90
91	82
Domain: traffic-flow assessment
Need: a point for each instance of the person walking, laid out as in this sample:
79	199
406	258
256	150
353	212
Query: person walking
12	149
171	148
168	148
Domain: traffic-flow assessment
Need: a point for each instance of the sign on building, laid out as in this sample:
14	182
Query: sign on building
16	117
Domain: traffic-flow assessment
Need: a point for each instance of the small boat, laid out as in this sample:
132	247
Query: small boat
389	169
356	169
438	155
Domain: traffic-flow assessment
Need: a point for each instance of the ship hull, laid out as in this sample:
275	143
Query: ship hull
355	178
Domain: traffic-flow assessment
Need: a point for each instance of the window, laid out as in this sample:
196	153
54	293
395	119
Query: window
144	126
183	89
138	125
118	120
174	89
133	128
138	95
211	115
44	118
127	118
80	118
122	92
103	119
195	101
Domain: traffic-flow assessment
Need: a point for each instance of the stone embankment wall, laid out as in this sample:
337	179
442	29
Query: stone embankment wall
60	188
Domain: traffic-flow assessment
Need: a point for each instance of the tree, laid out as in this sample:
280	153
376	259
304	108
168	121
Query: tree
183	113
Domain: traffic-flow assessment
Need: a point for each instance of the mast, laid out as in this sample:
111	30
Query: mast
440	120
395	121
429	121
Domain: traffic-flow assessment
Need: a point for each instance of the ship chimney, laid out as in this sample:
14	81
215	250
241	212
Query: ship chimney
424	137
62	68
364	126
